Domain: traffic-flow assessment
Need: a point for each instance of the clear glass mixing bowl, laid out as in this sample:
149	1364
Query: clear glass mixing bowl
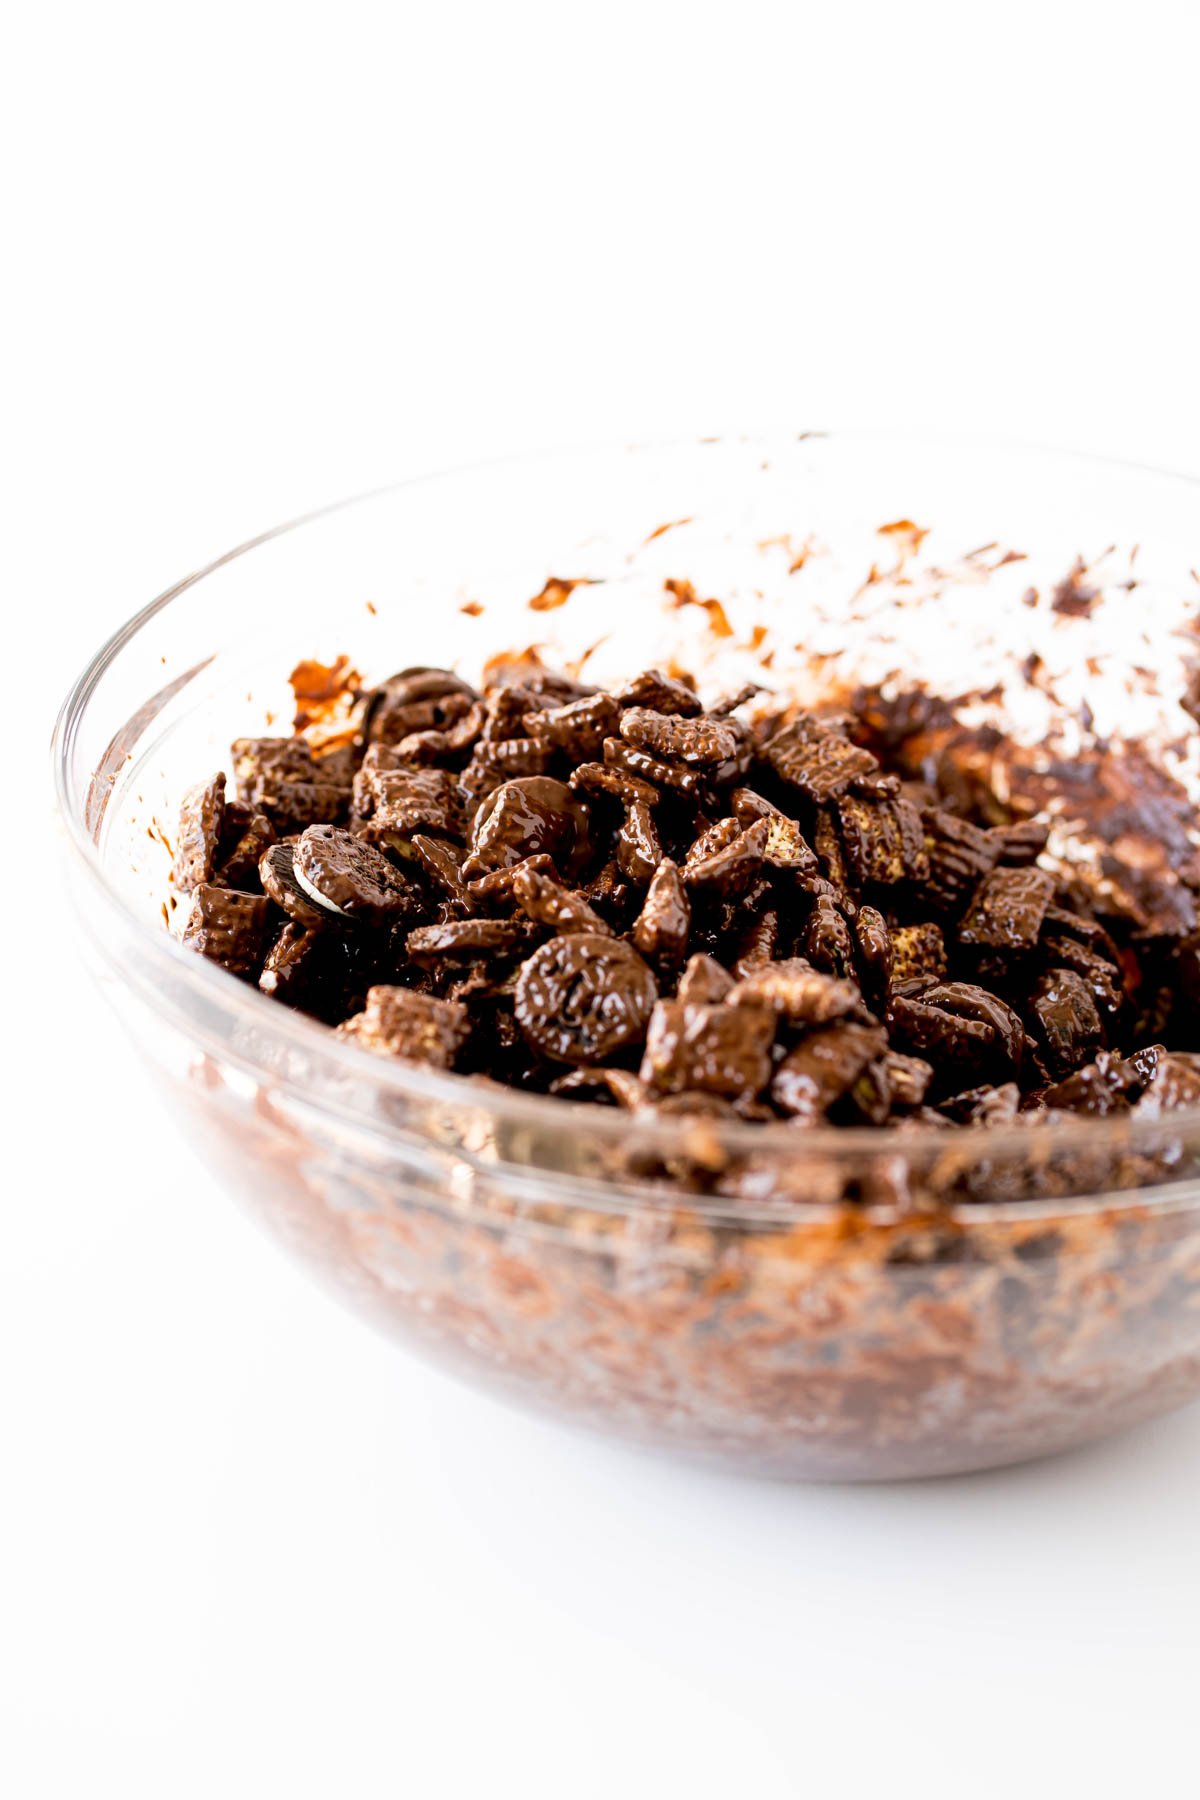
704	1288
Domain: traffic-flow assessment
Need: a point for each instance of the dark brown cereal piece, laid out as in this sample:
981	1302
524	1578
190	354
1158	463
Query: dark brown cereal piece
269	762
416	700
729	870
228	928
281	777
243	847
918	955
959	1048
1020	844
908	1077
617	1086
1175	1083
876	786
661	929
1108	1085
1007	909
960	856
398	802
829	851
1102	978
614	897
826	939
730	702
497	887
414	1027
659	693
511	758
580	727
620	755
971	1002
798	993
868	1099
455	939
874	940
716	745
436	746
336	869
529	817
1062	923
785	847
546	902
717	836
758	943
598	778
1066	1020
199	834
884	840
746	806
441	861
506	709
277	873
984	1105
823	1066
704	981
821	763
291	964
582	997
708	1049
639	849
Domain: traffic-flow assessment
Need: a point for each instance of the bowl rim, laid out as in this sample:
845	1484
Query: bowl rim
550	1114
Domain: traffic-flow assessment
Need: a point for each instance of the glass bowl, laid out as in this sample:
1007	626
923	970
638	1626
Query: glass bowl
836	1304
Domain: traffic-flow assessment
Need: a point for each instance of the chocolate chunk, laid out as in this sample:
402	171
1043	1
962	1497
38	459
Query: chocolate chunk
229	928
1021	844
704	981
581	998
823	1066
661	929
708	1049
1066	1020
659	693
639	850
199	834
536	816
798	993
343	872
415	1027
1007	909
821	763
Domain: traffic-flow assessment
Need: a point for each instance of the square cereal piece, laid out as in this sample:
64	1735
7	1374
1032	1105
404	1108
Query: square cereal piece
1007	909
713	1049
415	1027
823	1067
1067	1021
918	954
821	763
884	840
228	927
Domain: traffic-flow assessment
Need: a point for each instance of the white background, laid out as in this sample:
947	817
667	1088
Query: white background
254	258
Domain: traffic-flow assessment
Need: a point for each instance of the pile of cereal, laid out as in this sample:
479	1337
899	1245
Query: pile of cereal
733	909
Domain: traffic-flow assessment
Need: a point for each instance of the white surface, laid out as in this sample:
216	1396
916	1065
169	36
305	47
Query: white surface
258	257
